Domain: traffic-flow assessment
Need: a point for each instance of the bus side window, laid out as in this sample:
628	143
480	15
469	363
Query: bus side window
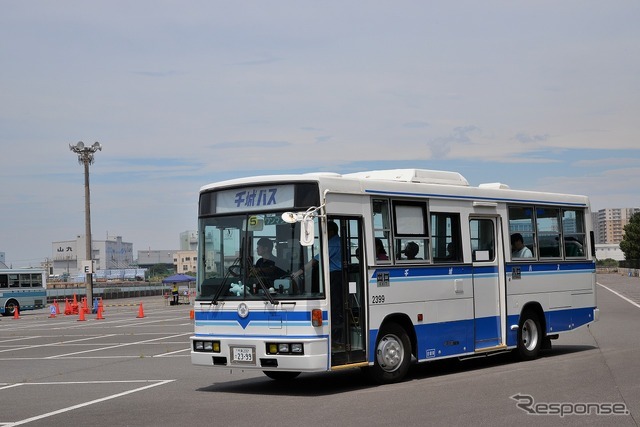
445	235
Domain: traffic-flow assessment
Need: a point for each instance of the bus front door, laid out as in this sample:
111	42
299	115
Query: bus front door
348	340
488	286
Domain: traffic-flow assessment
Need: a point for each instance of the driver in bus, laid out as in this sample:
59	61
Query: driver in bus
266	264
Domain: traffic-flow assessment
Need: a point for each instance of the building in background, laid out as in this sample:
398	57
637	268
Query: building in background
608	227
189	240
608	224
609	251
148	257
185	261
108	254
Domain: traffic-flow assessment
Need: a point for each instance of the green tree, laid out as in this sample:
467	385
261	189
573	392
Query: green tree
630	244
609	262
157	270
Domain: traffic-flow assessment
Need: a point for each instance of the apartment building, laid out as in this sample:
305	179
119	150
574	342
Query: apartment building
608	224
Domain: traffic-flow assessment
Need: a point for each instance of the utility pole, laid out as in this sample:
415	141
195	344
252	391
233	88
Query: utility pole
85	157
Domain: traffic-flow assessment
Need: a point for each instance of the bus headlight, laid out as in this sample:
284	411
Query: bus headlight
296	348
207	346
283	348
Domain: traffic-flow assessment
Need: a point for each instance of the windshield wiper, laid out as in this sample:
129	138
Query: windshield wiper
253	270
216	296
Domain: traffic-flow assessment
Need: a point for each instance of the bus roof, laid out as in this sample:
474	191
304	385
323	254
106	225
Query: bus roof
410	182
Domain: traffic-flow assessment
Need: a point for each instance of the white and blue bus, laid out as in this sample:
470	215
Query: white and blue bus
423	266
22	289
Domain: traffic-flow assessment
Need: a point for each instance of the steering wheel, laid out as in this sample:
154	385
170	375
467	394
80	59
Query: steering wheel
234	270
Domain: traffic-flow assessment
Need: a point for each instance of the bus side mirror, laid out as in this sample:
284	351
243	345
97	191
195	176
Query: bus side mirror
306	232
306	226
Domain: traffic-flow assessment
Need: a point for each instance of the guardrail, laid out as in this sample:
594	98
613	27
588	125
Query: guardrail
111	291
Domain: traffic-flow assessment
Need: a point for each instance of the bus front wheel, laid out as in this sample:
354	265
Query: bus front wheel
530	336
10	307
393	355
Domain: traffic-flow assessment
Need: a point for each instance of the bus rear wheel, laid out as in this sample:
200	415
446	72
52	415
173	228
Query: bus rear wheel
393	355
281	375
530	336
10	307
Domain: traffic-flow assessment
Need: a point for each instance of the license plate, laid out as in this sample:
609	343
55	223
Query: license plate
243	355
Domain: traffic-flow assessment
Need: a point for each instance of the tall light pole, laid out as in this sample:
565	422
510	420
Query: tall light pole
85	157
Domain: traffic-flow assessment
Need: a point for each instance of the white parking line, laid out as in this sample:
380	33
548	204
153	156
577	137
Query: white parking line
172	354
56	343
620	295
91	402
21	339
118	345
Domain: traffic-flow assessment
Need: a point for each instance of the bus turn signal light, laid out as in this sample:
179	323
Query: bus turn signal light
316	317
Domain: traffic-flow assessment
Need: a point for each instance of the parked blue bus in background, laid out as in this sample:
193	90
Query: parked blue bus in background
22	289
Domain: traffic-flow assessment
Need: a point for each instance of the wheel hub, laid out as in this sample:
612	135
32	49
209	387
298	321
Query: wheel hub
390	353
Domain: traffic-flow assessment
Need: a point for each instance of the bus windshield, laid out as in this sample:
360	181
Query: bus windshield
257	256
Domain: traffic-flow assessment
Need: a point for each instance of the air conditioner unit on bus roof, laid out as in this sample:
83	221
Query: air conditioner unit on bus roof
424	176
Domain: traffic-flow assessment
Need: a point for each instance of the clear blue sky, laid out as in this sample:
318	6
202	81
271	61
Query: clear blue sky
540	95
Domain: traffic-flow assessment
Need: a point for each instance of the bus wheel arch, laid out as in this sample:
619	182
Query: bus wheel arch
404	322
531	331
10	307
393	351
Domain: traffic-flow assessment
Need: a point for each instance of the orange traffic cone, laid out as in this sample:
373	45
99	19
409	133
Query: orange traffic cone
84	307
191	315
140	312
99	316
74	305
16	312
57	306
81	316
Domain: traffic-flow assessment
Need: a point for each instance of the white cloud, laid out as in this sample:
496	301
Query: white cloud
184	93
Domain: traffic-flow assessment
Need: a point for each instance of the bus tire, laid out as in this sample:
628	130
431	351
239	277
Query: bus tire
10	307
530	336
281	375
392	355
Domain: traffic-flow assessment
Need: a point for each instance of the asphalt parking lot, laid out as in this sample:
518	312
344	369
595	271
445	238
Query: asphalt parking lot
136	371
51	367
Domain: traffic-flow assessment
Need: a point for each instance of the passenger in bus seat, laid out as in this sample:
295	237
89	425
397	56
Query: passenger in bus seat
518	248
411	250
381	252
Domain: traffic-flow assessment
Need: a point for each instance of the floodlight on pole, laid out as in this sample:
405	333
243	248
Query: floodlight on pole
86	157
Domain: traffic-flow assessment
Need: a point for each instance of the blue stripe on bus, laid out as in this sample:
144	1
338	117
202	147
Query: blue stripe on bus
18	294
556	321
255	318
411	273
569	266
458	338
25	297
